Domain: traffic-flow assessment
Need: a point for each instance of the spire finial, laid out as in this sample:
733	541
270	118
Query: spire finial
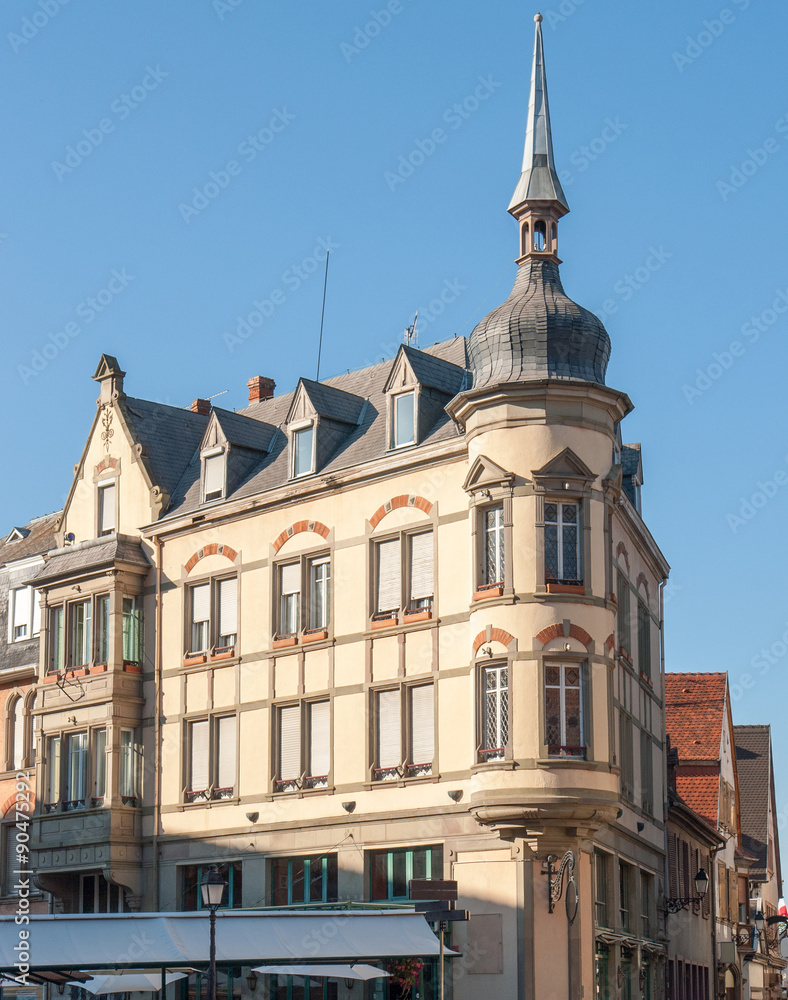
539	188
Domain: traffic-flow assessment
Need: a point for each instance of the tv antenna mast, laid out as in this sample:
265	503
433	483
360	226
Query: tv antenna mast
411	335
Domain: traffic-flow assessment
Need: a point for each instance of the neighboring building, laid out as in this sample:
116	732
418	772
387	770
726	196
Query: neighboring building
693	843
700	727
760	838
21	555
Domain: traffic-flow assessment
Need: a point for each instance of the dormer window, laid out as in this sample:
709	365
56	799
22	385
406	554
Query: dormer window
404	423
214	464
303	450
106	507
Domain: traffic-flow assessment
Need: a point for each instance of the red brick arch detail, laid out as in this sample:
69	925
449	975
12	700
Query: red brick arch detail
623	549
492	635
642	579
298	527
106	463
401	501
11	801
211	549
557	632
610	643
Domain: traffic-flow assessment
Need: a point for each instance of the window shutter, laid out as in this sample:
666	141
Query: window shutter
319	738
389	589
706	904
18	743
107	508
201	603
389	729
673	879
422	582
11	857
733	895
21	613
226	742
214	476
290	742
228	607
200	735
290	578
422	724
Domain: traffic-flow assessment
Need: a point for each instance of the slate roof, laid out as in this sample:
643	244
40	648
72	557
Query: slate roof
694	713
39	538
169	433
538	333
436	372
361	398
630	459
754	767
92	554
243	432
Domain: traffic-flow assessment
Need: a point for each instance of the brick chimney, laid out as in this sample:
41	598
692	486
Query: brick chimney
260	388
202	406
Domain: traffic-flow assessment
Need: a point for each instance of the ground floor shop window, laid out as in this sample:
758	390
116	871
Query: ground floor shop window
228	985
390	871
423	984
602	972
192	876
302	988
304	880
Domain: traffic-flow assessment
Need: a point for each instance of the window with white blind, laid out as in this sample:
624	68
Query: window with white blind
213	616
16	723
403	425
303	458
212	758
404	574
106	507
131	766
302	750
303	590
24	614
404	719
213	476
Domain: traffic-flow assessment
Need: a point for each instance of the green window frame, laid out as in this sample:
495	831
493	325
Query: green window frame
304	880
132	630
391	871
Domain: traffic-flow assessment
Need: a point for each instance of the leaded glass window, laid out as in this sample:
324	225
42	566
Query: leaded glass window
493	545
564	711
495	734
561	543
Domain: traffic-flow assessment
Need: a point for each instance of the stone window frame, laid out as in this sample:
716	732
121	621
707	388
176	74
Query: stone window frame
406	771
305	632
301	785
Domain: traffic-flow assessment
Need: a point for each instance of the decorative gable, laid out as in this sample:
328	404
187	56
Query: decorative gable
565	468
484	473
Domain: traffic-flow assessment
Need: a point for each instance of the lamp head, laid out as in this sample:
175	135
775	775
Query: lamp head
701	883
212	887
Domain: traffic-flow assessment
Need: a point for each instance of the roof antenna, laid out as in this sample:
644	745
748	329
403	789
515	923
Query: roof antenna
411	337
322	317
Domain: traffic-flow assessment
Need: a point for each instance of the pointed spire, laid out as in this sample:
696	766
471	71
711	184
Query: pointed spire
539	179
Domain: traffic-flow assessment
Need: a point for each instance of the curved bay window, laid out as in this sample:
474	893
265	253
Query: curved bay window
495	711
563	710
562	543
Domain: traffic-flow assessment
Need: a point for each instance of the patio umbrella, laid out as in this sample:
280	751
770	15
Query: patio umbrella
129	982
324	971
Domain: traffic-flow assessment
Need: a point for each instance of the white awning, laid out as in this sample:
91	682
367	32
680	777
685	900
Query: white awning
363	972
243	937
128	982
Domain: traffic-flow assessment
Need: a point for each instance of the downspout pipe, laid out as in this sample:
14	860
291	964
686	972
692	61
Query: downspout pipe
157	708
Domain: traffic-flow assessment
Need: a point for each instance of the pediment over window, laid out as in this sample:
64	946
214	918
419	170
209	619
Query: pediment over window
484	473
320	421
414	367
566	467
231	448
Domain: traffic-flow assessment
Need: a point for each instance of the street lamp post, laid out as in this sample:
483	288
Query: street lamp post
212	887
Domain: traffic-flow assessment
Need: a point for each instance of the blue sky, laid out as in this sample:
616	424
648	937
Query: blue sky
171	169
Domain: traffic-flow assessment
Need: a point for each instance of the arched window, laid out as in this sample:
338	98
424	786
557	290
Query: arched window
540	236
16	726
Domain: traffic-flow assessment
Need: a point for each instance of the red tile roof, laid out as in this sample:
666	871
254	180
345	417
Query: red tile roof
699	787
694	712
